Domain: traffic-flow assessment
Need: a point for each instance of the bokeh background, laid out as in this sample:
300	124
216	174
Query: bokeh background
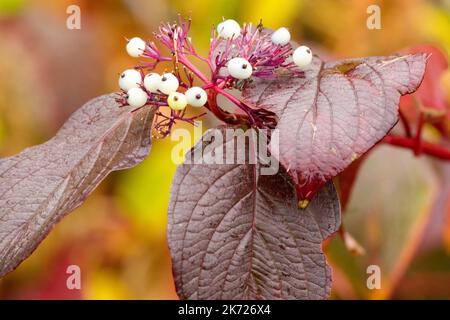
399	211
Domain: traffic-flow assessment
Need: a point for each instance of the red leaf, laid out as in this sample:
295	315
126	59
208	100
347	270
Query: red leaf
336	113
236	234
42	184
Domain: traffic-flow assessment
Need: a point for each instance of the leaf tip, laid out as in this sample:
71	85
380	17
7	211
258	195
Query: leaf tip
355	156
302	204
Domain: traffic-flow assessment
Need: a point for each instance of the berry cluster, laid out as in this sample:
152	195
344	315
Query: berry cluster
236	55
131	82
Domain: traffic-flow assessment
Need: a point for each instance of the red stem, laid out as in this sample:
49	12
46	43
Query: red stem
418	137
217	88
230	118
230	97
428	148
188	64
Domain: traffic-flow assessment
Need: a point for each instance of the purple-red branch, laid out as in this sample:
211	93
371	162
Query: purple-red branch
427	148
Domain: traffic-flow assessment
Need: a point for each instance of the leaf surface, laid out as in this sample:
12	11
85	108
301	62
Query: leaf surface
335	113
42	184
236	234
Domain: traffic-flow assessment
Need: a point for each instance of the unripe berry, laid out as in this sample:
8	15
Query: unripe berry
136	47
137	97
240	68
168	84
229	29
302	56
196	96
152	82
177	101
130	79
281	36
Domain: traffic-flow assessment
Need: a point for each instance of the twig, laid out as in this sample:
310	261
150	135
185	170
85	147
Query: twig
427	148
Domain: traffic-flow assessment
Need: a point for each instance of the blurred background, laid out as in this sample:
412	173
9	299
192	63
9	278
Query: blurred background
399	211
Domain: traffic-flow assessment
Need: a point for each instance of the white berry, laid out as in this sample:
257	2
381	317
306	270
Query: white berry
281	36
168	84
137	97
130	79
136	47
302	56
240	68
196	96
177	101
152	82
229	29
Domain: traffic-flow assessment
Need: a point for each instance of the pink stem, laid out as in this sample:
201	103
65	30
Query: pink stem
188	64
230	97
208	84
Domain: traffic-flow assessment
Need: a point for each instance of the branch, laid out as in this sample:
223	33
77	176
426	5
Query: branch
227	117
427	148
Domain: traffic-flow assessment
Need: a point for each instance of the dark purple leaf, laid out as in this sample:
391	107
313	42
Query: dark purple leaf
336	113
43	183
236	234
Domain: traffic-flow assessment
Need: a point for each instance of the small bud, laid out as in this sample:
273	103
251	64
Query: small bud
303	204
